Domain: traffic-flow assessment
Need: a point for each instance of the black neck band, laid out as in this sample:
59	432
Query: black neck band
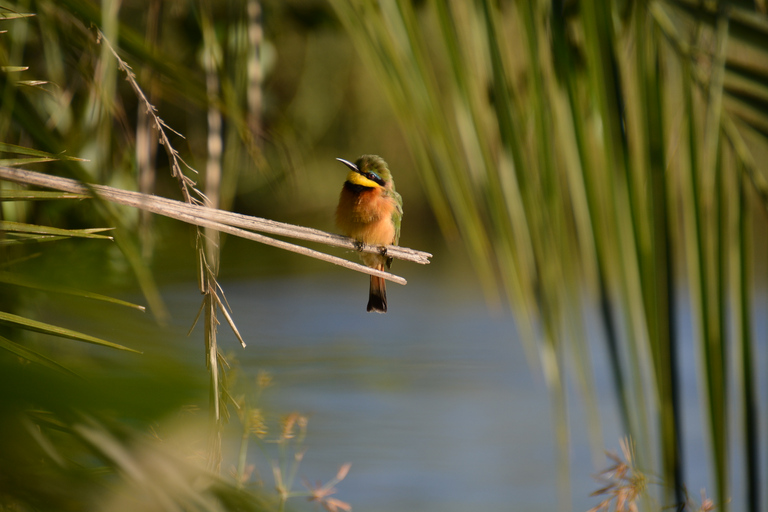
356	188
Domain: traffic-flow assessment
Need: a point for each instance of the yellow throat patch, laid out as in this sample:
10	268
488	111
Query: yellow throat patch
358	179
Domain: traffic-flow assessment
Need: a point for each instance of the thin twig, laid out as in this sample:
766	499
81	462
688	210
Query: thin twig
185	183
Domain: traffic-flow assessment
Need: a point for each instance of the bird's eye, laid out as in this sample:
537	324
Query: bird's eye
373	176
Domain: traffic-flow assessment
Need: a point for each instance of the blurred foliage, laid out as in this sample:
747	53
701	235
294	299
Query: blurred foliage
591	156
209	69
600	157
62	450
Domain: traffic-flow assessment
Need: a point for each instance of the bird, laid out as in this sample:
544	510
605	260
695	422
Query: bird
370	211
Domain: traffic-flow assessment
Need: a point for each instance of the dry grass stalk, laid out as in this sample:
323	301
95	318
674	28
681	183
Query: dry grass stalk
624	483
322	493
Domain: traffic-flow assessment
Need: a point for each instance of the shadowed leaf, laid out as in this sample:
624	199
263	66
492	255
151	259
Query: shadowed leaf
54	330
15	279
31	355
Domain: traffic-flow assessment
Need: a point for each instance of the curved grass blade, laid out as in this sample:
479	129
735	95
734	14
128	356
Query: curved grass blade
24	238
15	279
21	150
54	330
13	69
37	195
10	14
20	227
31	355
11	162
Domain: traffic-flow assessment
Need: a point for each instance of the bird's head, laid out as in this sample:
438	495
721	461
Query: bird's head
368	171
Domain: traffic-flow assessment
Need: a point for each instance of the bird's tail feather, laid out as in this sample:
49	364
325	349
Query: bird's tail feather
377	298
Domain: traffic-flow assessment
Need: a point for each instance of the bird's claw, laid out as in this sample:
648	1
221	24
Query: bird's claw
383	250
359	246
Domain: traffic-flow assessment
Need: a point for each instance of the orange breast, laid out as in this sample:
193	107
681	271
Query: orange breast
366	216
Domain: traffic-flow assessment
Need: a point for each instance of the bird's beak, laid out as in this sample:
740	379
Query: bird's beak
349	164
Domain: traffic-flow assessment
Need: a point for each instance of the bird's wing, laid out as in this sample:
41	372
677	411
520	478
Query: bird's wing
397	215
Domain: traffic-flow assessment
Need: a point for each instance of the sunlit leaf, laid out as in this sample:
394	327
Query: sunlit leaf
15	15
21	150
10	162
20	227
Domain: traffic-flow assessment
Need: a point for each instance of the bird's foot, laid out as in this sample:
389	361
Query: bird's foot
359	246
383	250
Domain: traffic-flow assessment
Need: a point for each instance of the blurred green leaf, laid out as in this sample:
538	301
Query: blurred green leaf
54	330
15	279
32	356
592	135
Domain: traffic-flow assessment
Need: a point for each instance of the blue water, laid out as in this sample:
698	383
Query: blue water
434	404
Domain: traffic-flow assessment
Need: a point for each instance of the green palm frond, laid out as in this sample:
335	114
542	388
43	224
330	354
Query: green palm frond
566	142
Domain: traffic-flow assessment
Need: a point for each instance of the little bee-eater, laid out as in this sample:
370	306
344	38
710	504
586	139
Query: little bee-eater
370	211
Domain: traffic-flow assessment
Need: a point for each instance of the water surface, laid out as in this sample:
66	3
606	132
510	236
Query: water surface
434	403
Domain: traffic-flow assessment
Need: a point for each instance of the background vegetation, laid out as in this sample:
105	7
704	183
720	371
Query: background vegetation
591	156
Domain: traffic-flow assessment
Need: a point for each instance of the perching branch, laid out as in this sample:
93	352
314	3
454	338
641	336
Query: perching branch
226	222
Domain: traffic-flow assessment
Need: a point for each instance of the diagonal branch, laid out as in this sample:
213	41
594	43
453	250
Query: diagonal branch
227	222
